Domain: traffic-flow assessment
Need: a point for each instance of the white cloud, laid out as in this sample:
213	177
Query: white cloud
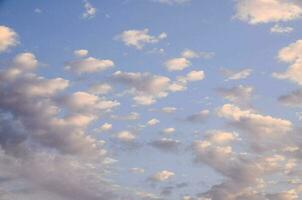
281	29
90	11
106	127
80	52
254	123
168	109
192	76
291	54
236	74
177	64
144	87
220	137
169	130
125	136
8	38
189	54
162	175
265	11
153	122
84	102
139	38
89	65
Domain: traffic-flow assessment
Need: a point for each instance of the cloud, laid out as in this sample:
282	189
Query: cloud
281	29
166	144
146	88
89	65
189	54
8	38
125	136
131	116
292	55
220	137
238	94
169	130
293	99
106	127
137	170
80	52
162	176
261	126
168	109
172	2
90	11
266	11
139	38
100	89
236	74
153	122
84	102
192	76
177	64
42	138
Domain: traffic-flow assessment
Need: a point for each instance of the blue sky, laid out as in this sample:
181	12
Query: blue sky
150	99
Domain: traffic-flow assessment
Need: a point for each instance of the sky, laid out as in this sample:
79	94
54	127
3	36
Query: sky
150	100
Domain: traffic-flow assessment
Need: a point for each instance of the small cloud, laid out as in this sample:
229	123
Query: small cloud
153	122
38	10
90	11
281	29
236	74
162	176
80	53
139	38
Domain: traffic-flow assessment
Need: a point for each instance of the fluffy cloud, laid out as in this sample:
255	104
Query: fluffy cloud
125	136
162	175
147	88
90	11
153	122
265	11
41	138
89	65
85	102
254	123
292	55
236	74
139	38
177	64
8	38
106	127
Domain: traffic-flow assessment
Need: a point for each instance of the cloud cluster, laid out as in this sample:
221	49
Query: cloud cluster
146	88
292	55
265	11
42	137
